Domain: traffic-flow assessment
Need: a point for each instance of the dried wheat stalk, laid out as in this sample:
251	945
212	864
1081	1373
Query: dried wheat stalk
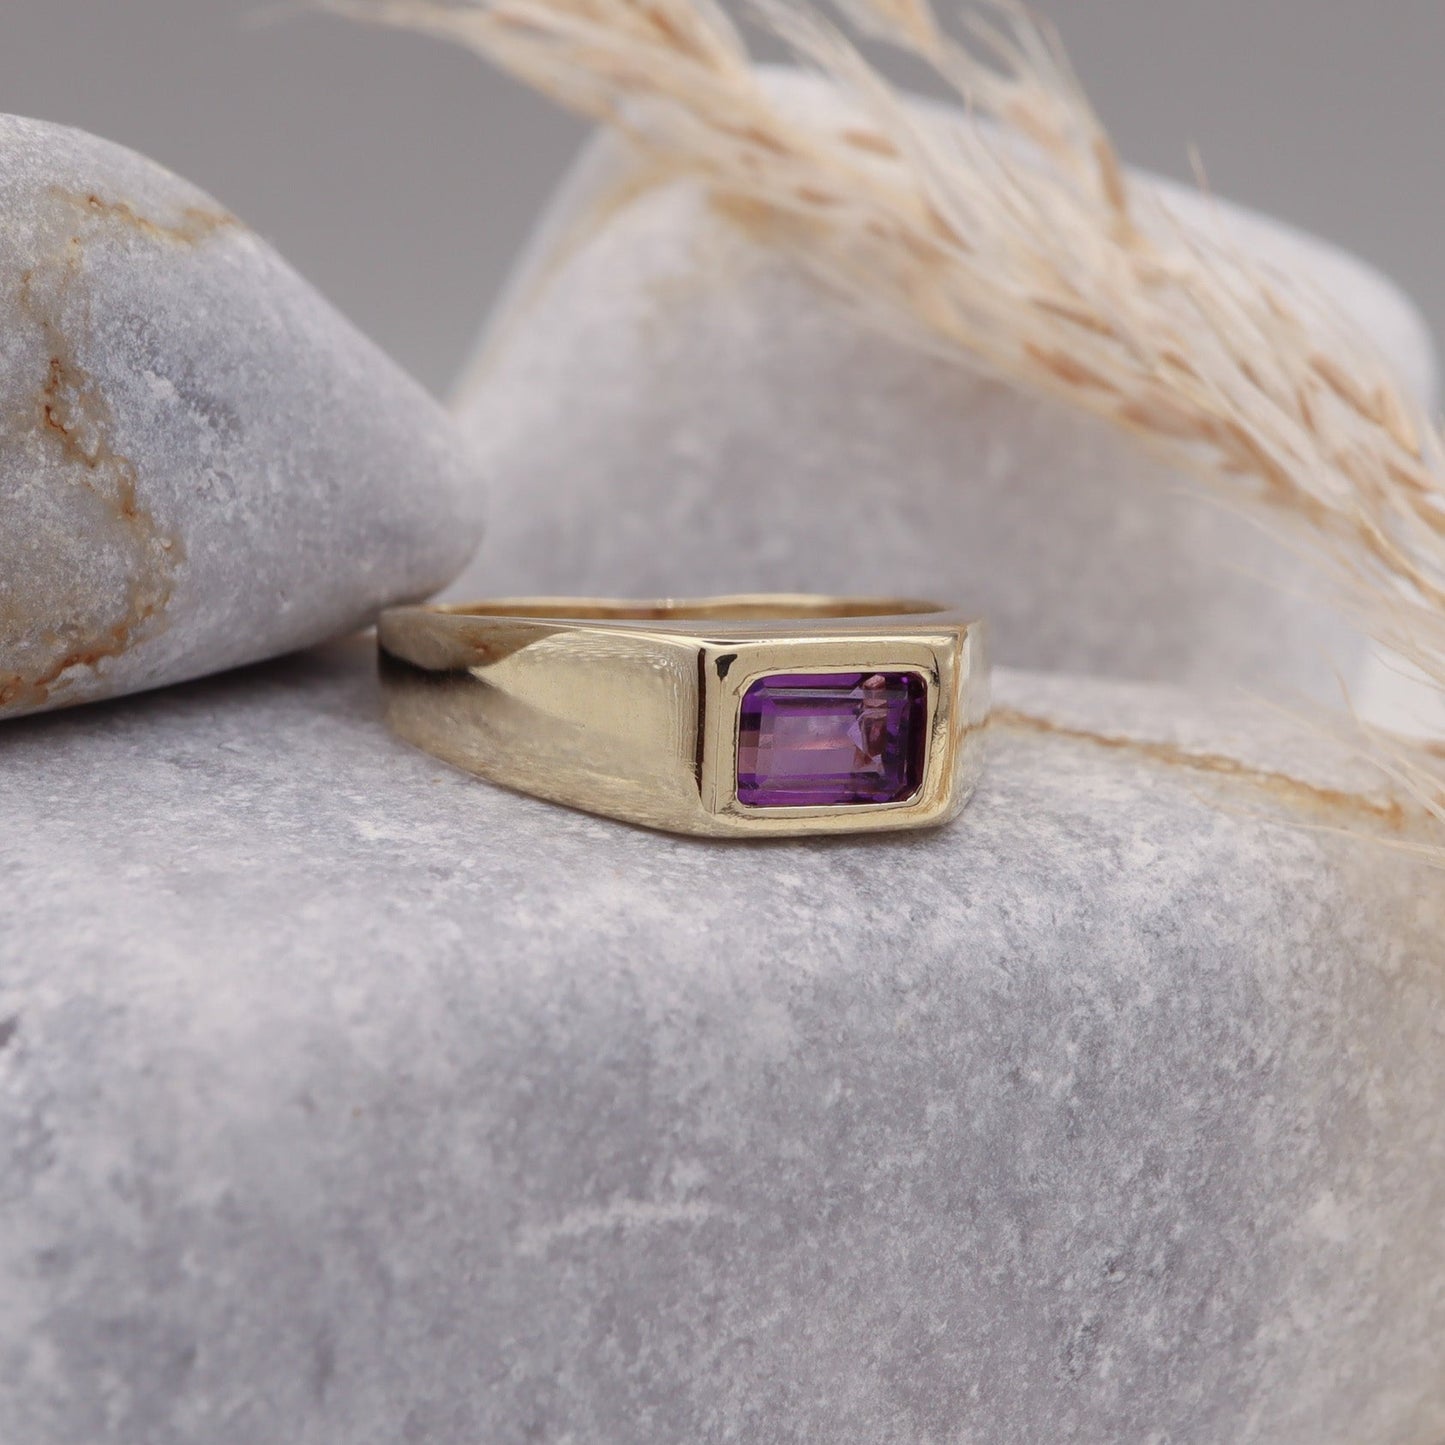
1021	246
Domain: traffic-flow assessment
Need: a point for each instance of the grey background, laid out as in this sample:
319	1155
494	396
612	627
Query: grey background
400	175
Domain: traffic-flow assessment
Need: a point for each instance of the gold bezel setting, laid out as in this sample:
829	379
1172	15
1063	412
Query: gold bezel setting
933	659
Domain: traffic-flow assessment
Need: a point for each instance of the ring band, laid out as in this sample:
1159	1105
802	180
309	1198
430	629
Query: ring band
730	716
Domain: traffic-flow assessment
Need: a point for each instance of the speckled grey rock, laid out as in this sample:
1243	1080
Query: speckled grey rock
668	407
201	463
345	1100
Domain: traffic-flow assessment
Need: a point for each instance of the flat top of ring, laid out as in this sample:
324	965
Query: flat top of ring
780	606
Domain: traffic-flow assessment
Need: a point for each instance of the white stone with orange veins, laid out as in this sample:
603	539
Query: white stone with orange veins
201	462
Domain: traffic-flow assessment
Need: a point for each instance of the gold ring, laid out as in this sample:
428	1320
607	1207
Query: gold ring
730	716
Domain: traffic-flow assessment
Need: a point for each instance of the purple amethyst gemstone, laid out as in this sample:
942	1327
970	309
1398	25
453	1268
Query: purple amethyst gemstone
808	739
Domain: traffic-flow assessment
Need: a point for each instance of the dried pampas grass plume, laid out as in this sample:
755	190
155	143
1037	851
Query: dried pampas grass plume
1019	245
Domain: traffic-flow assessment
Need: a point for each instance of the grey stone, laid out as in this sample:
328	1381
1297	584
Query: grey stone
668	407
346	1100
201	463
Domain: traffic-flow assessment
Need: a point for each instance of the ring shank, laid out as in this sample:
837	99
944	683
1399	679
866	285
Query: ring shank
741	608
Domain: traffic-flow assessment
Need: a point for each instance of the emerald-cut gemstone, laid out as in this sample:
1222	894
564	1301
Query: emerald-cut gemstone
814	739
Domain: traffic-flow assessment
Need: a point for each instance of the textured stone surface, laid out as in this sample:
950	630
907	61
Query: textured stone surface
667	407
201	463
345	1100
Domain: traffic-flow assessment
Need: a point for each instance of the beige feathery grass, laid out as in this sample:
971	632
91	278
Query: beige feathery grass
1020	245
